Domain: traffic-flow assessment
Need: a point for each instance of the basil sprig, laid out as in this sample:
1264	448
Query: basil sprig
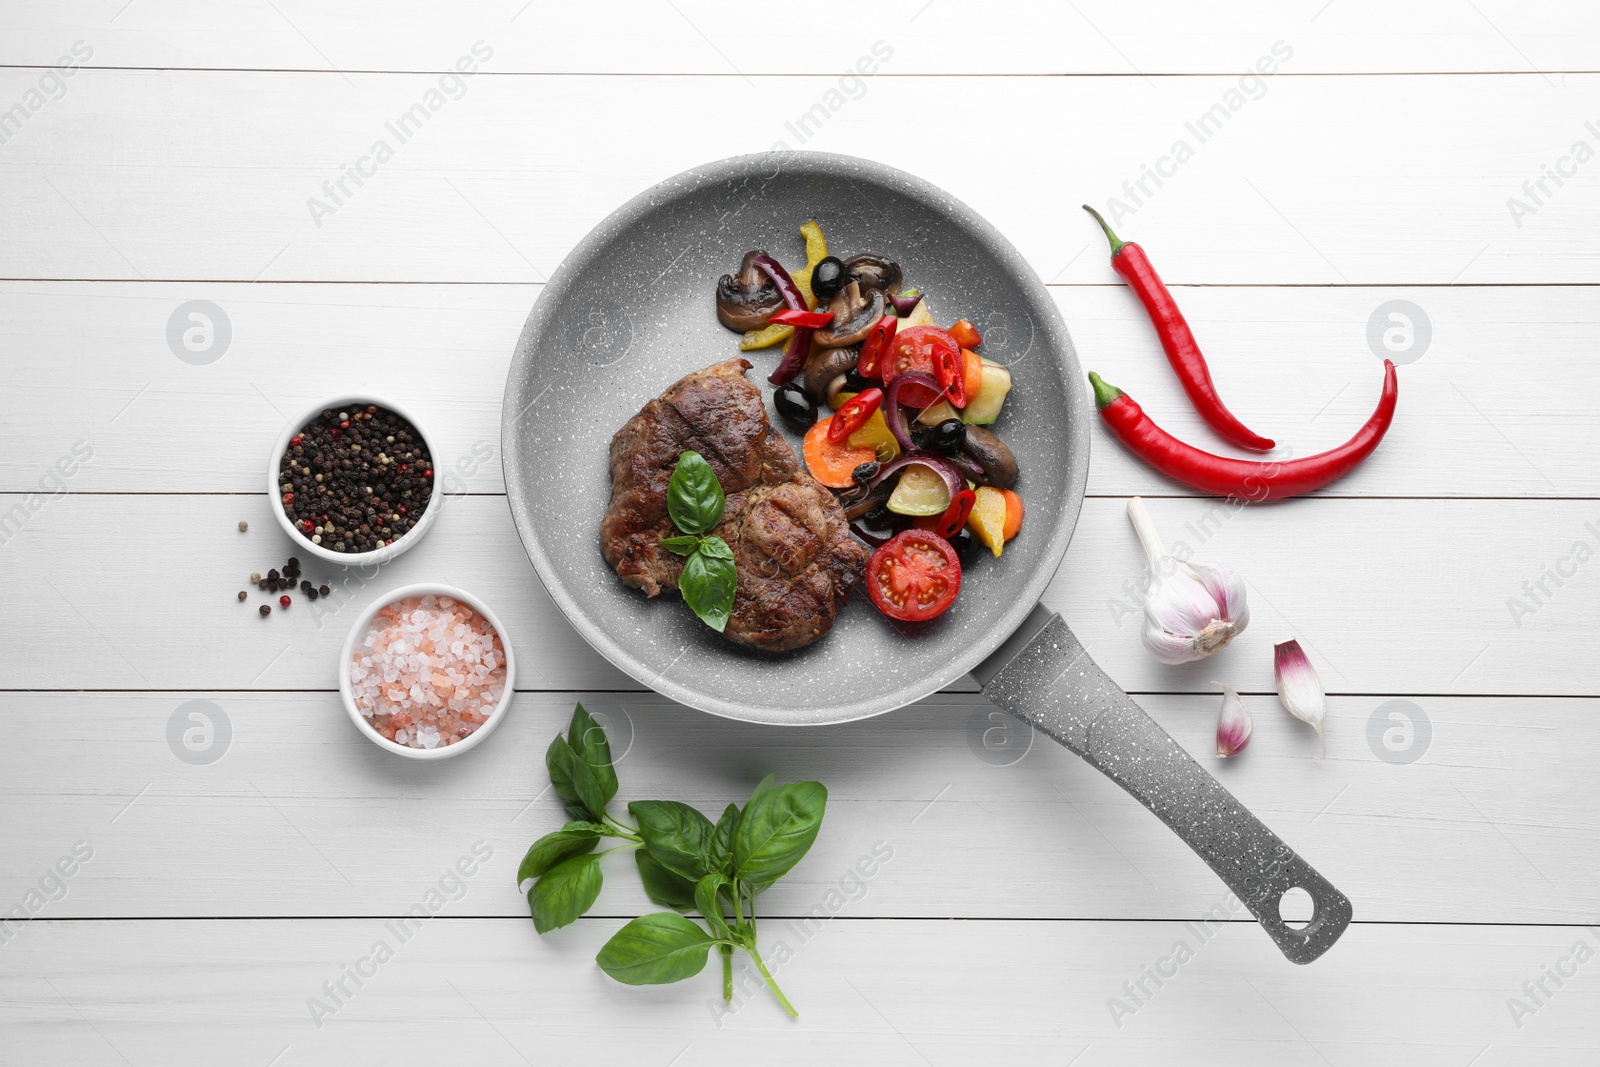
685	861
695	502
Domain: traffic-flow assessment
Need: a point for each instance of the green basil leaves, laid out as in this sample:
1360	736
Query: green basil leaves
696	502
685	861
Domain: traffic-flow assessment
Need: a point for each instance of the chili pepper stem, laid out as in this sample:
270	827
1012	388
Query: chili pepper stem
1116	242
1104	395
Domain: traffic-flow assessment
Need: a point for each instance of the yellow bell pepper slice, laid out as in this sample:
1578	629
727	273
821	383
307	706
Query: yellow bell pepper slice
816	252
988	519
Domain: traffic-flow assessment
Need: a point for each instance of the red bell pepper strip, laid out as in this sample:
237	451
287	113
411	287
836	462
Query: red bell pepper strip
1246	478
811	320
1183	351
955	517
854	413
869	364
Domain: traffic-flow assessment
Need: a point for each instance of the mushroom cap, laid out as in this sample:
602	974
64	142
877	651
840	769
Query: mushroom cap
749	299
873	272
854	313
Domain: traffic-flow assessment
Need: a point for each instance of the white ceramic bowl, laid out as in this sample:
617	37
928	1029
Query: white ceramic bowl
359	630
350	559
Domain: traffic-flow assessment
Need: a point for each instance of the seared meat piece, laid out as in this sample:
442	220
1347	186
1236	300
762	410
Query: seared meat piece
792	547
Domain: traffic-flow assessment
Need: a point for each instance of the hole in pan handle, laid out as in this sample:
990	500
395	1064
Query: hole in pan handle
1043	676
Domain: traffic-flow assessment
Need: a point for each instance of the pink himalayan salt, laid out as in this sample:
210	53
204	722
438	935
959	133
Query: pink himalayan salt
428	671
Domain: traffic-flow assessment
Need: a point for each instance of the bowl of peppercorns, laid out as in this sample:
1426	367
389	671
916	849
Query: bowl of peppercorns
354	480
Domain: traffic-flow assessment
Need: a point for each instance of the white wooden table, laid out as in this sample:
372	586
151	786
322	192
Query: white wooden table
214	892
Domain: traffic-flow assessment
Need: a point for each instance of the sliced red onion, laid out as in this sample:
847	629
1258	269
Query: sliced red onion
894	413
904	304
795	354
780	277
875	540
940	465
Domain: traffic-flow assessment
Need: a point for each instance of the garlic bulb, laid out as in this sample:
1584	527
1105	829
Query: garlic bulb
1234	725
1299	688
1191	609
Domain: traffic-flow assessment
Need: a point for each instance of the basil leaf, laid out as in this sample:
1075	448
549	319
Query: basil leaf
715	547
655	949
694	497
552	848
722	839
565	892
708	584
684	545
678	836
705	898
776	830
661	885
573	782
588	740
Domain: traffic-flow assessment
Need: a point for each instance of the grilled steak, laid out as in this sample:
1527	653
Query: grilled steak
792	548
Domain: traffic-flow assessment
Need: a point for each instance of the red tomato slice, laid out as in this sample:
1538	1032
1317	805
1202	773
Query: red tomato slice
920	349
915	577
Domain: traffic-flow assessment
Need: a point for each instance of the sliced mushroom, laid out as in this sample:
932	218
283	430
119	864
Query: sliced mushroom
854	313
747	300
826	367
999	465
861	499
873	272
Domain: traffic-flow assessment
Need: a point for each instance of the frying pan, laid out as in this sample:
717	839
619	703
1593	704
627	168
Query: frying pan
630	311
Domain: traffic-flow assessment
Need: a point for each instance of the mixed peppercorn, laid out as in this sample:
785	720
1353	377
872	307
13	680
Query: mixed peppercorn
275	580
355	480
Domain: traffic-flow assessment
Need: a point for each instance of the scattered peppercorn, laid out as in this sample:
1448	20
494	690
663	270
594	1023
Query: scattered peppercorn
243	526
283	601
243	595
255	576
265	609
345	480
324	590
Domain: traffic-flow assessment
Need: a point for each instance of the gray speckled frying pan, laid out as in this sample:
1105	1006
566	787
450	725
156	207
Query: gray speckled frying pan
630	311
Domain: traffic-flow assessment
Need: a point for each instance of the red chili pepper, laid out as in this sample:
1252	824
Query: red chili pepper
1247	478
950	370
854	413
955	517
1183	351
870	363
811	320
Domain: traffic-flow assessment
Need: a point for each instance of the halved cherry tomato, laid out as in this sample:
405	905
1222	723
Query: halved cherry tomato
966	334
973	366
950	370
811	320
915	350
874	345
914	577
833	462
854	414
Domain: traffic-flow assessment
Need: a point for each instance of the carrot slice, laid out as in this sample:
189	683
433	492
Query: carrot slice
1013	514
833	462
972	371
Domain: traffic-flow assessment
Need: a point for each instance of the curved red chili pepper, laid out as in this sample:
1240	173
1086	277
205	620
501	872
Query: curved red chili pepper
1248	478
854	413
869	362
956	515
1183	351
812	320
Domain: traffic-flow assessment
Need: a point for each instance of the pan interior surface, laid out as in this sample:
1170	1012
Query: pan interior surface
631	311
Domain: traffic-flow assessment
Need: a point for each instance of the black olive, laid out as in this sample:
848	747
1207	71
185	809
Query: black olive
865	472
794	406
879	519
965	544
827	277
949	437
855	383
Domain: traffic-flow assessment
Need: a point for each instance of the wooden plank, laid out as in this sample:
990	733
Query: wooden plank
720	37
1294	362
499	184
273	804
1388	596
885	992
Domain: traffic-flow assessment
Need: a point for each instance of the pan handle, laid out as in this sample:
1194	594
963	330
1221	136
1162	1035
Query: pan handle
1043	676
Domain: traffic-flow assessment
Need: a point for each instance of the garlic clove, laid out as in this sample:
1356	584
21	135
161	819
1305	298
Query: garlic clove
1234	724
1227	589
1299	689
